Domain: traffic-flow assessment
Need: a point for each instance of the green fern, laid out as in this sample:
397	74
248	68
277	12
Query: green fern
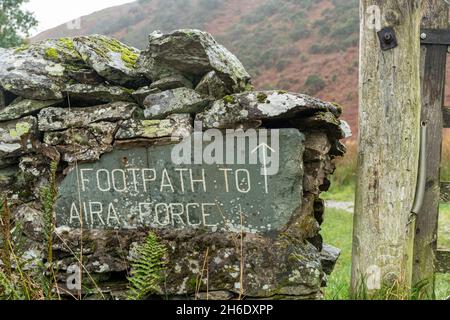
9	289
146	268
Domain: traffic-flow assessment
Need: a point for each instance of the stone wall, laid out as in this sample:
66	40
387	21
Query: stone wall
91	100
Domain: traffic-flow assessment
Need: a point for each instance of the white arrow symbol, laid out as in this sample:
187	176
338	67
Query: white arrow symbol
264	147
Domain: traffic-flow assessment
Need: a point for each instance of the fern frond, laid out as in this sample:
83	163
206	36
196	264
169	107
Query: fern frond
146	268
8	289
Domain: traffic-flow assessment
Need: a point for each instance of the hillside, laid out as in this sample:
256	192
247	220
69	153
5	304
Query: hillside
299	45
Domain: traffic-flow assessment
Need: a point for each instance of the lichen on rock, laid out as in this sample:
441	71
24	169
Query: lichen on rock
111	59
181	100
176	125
98	94
55	119
192	52
24	107
245	107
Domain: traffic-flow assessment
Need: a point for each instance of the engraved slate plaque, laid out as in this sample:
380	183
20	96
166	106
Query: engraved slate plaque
249	181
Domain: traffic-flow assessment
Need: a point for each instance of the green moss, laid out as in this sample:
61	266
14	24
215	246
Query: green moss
21	129
282	92
338	106
22	48
262	97
127	54
228	99
67	42
129	91
249	87
78	138
130	58
51	53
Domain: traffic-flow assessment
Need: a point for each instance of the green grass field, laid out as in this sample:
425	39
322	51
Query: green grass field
337	231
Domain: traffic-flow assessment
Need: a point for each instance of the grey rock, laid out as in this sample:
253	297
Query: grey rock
338	149
24	107
212	85
329	256
85	76
83	144
7	162
171	82
140	94
39	71
215	295
181	100
323	120
2	99
32	220
54	119
316	174
176	125
345	127
17	137
317	146
193	53
111	59
274	268
7	177
98	93
246	107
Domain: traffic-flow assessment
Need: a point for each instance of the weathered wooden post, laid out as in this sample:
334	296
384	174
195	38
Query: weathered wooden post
389	144
435	16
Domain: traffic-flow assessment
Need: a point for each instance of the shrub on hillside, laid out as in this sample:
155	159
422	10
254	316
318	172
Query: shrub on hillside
314	84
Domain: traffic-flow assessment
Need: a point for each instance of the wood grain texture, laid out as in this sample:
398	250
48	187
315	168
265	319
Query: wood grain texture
389	119
433	63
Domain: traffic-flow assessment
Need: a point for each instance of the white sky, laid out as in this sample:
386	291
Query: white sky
51	13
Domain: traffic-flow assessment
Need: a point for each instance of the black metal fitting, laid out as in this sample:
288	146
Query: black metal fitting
388	39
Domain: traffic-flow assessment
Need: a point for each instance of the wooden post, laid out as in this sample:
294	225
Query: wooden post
435	16
389	124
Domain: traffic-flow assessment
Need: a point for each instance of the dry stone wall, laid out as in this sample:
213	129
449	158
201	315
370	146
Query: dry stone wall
110	117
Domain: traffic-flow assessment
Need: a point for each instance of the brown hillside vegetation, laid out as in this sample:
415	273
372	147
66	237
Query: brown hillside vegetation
300	45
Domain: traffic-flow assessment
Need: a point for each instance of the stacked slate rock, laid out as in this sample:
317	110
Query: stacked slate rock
73	100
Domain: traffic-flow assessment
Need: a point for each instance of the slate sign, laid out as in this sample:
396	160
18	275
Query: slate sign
139	187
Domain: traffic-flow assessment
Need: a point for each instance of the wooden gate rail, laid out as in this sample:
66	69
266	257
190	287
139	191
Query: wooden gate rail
443	261
435	43
446	111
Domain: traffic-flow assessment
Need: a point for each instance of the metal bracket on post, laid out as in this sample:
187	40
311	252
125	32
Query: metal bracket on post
422	176
435	36
388	39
